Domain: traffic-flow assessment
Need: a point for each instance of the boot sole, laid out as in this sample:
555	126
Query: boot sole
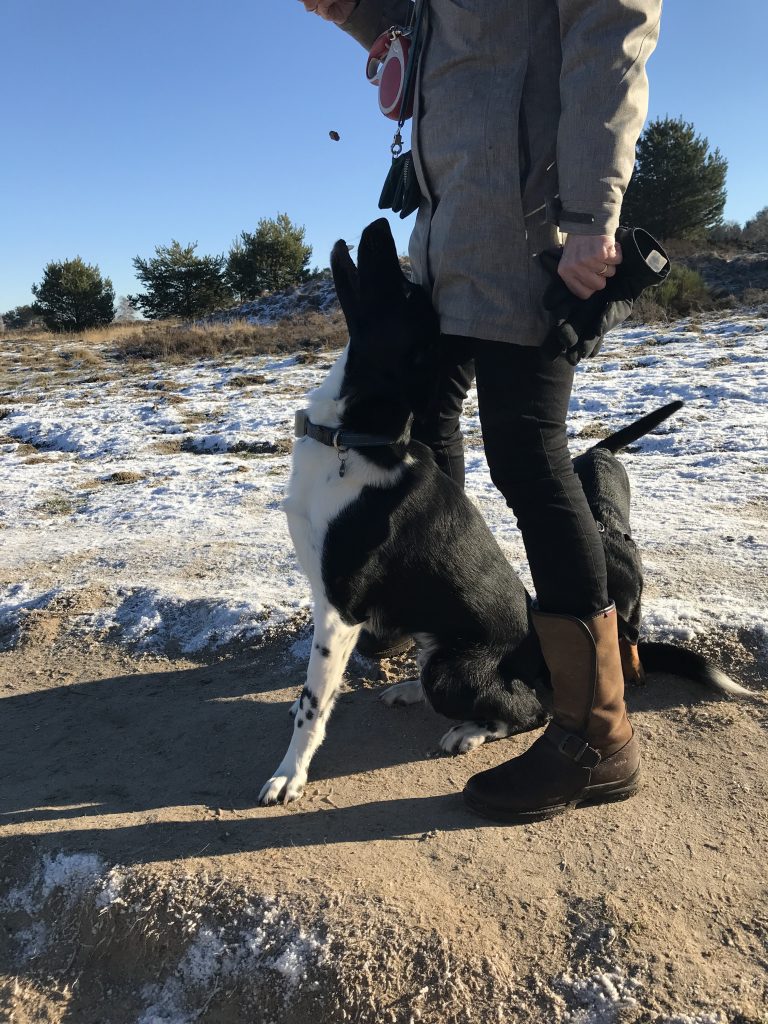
609	793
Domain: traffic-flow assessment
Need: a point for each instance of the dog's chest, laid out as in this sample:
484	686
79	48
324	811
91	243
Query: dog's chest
317	494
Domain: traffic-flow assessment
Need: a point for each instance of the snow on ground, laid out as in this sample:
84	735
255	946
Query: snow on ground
159	497
316	295
262	938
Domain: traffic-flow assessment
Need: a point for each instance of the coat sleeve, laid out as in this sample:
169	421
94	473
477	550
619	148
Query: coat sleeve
604	103
372	17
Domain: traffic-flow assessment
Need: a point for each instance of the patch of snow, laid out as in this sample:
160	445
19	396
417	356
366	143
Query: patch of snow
70	874
317	295
600	996
293	961
153	621
16	600
275	944
706	1018
195	551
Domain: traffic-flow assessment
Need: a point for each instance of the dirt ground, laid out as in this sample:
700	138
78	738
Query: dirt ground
403	906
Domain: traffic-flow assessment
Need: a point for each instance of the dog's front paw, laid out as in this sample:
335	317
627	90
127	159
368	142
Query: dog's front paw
465	737
281	789
408	692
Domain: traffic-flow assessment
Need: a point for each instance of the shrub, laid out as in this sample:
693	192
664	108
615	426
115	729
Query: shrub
73	296
684	292
755	232
270	259
180	284
21	317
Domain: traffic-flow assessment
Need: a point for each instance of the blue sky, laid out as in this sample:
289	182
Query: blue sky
125	125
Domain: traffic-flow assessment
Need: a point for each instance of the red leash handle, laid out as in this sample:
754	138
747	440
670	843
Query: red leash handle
386	69
377	54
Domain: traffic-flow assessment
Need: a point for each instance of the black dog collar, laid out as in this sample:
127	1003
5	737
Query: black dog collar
334	437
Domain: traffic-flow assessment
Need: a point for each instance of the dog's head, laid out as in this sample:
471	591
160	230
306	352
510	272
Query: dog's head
393	329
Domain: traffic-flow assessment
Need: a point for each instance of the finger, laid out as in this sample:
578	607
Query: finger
603	268
613	255
586	274
574	285
583	283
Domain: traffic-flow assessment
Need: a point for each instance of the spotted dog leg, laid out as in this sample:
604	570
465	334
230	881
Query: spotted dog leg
332	646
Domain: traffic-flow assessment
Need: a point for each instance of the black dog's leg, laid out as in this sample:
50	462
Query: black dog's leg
467	685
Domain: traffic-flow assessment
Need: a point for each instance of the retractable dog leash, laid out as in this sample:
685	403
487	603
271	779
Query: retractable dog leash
391	66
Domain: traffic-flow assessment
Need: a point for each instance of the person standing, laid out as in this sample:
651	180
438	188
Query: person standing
526	117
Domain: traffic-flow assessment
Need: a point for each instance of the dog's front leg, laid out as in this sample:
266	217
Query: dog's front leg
332	645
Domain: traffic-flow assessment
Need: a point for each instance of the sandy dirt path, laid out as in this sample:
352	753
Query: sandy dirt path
651	910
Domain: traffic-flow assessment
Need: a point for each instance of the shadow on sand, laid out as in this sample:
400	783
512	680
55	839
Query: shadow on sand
207	738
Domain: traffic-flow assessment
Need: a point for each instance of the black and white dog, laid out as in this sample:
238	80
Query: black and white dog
388	541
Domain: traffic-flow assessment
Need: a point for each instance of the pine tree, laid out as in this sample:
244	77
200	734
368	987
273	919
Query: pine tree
678	188
268	259
21	316
180	284
73	296
755	232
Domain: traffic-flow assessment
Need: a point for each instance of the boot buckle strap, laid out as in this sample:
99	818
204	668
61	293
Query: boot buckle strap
572	746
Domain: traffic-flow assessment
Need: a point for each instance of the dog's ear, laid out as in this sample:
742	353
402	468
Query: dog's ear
381	279
346	282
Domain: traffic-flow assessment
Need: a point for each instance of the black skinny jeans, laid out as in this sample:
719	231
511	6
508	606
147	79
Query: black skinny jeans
523	398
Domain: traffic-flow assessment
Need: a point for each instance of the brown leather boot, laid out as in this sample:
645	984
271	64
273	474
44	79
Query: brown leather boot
587	753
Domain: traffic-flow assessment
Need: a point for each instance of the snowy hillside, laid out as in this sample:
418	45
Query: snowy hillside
147	507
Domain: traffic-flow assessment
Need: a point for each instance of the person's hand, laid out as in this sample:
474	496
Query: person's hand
587	261
336	11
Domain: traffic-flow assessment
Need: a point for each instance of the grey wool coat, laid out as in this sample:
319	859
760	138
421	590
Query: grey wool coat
518	102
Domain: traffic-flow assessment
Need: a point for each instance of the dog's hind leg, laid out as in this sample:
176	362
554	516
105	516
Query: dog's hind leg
465	737
631	666
410	691
332	645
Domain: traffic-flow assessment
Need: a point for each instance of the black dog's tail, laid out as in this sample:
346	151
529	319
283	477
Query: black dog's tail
615	442
677	661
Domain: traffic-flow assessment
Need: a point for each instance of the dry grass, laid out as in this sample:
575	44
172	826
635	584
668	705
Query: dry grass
595	429
120	477
170	447
245	449
97	350
124	476
180	342
81	355
60	505
246	380
37	460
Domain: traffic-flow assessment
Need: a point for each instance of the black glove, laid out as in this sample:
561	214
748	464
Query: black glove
581	324
401	192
